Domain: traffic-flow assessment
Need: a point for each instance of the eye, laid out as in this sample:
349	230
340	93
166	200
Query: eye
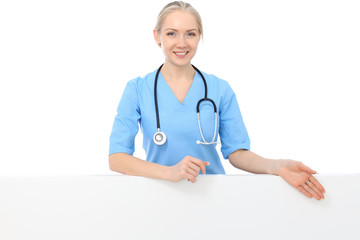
191	34
171	34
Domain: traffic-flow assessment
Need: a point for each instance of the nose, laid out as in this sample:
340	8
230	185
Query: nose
181	42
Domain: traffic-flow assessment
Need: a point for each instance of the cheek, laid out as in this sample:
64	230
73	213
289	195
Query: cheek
194	43
167	44
194	47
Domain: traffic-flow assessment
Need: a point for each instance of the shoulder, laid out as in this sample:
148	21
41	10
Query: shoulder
140	85
142	81
219	83
220	88
136	87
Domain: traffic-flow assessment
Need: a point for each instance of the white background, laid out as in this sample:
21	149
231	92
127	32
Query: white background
294	66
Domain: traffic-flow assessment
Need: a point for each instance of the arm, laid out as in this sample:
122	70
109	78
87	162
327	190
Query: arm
251	162
188	168
293	172
130	165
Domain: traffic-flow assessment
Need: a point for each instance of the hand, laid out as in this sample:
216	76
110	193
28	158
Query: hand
300	176
188	168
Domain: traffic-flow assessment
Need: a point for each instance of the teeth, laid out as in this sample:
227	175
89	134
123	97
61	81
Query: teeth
180	53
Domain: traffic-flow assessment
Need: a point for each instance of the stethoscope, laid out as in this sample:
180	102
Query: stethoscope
160	137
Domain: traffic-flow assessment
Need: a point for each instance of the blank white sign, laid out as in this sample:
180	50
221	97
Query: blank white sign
215	207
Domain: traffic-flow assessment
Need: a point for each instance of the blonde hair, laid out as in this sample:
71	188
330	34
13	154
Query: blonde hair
174	6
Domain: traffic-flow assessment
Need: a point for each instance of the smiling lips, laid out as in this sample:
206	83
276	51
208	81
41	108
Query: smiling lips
181	54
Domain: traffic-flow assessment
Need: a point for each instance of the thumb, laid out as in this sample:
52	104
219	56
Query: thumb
205	164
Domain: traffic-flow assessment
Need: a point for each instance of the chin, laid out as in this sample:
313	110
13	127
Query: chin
178	63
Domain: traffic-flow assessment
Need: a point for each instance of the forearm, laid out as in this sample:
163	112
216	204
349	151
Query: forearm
251	162
130	165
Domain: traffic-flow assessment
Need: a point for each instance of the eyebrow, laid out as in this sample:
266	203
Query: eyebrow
173	29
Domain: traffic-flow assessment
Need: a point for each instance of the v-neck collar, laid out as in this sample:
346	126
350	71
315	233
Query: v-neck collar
172	93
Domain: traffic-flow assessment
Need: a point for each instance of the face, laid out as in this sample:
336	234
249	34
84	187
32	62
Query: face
179	37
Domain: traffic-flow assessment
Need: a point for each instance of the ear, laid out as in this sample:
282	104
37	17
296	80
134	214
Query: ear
157	38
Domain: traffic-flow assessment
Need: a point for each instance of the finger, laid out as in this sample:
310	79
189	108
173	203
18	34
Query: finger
199	163
311	191
316	189
190	177
306	168
193	180
197	169
191	172
317	184
306	193
194	167
205	164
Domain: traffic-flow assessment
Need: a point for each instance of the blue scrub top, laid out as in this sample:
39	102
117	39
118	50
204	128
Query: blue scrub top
179	121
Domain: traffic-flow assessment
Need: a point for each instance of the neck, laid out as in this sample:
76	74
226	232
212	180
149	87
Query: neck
173	72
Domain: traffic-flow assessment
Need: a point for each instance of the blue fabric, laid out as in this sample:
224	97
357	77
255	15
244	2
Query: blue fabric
179	121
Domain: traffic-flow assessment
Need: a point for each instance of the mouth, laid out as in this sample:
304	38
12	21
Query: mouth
181	54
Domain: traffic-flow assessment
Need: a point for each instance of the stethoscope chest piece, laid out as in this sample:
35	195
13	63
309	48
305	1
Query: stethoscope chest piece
159	138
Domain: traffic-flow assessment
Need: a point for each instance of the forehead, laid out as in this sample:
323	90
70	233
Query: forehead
180	20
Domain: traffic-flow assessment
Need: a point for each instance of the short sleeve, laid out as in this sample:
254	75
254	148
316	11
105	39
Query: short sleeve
233	134
126	123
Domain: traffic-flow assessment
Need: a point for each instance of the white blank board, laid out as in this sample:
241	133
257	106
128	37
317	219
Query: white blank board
216	207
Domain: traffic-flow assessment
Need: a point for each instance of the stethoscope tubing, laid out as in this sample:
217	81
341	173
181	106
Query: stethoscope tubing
161	134
155	97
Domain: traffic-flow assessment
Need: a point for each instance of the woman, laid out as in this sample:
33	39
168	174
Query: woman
167	101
